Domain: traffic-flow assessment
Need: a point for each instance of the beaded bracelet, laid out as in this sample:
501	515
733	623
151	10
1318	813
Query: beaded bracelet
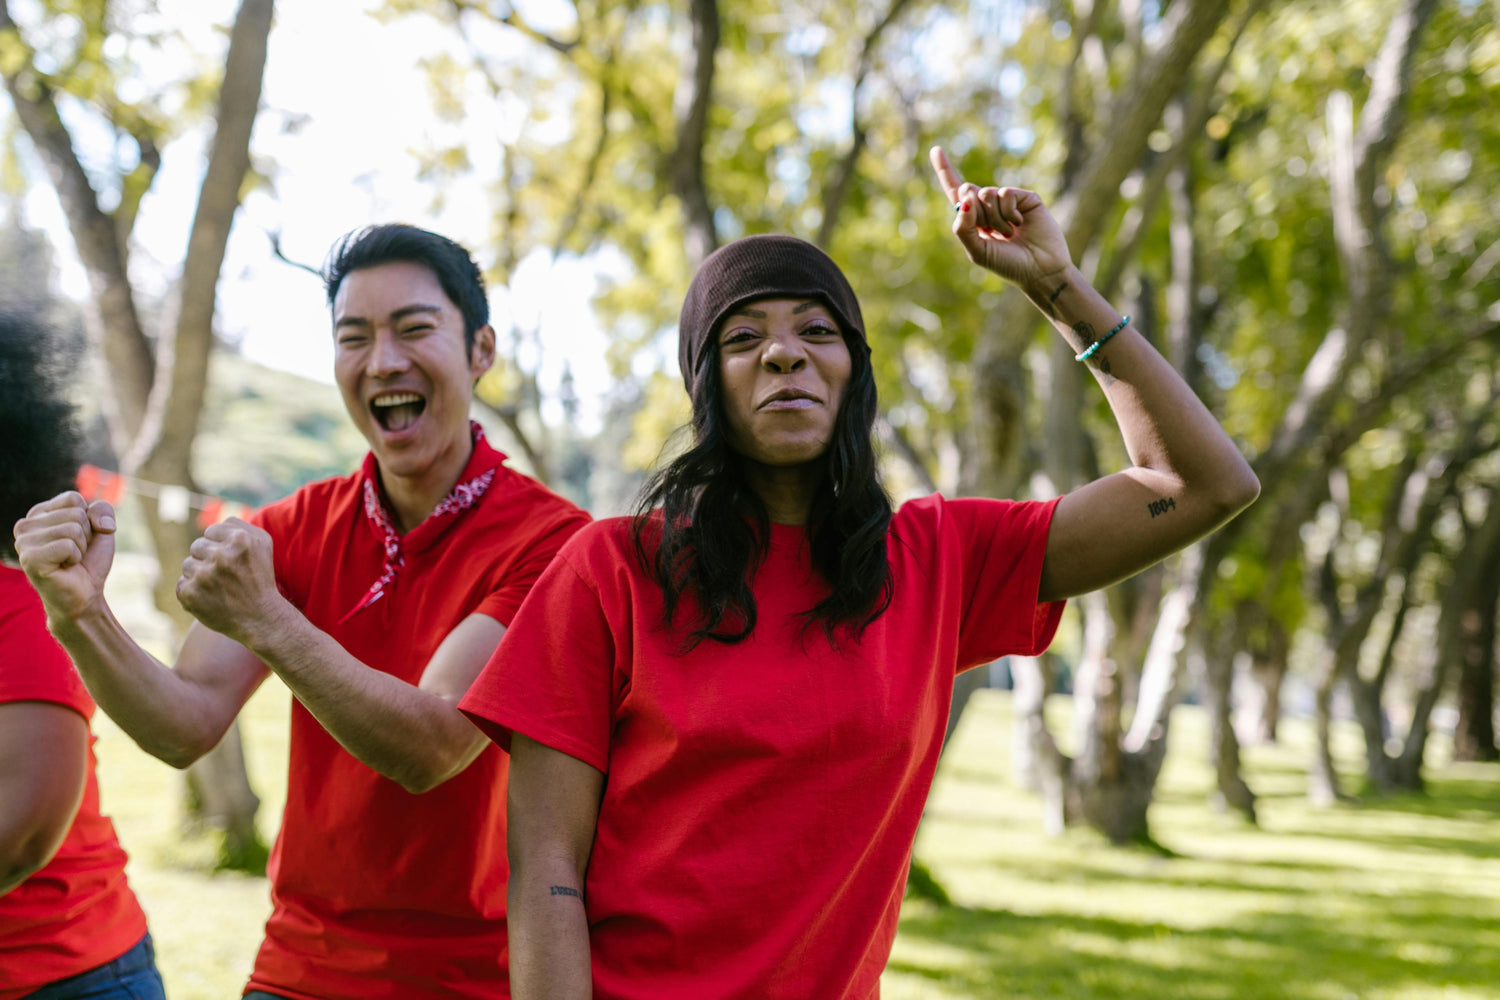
1088	352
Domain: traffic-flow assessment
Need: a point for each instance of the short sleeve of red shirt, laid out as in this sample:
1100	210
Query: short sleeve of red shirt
503	604
35	666
564	655
1003	544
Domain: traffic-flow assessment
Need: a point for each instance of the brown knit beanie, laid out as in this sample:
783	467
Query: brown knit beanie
760	267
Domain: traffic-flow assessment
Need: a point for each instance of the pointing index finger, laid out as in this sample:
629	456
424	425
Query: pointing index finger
947	176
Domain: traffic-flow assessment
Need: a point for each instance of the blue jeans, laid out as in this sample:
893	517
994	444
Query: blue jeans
132	976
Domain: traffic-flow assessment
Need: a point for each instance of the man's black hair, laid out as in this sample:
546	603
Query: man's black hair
396	242
42	441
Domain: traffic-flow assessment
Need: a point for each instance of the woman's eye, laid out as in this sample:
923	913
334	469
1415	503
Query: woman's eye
738	336
820	330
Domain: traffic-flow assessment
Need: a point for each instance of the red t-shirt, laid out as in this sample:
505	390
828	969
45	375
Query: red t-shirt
77	912
375	891
761	798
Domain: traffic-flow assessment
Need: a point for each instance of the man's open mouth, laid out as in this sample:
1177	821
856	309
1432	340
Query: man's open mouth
396	411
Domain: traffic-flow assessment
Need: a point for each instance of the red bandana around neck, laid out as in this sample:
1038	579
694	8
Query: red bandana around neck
464	495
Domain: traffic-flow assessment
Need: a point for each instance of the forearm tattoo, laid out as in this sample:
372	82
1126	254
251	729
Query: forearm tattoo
1106	379
1052	299
1157	507
565	890
1086	336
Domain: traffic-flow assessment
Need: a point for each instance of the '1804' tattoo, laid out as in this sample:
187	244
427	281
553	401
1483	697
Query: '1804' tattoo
564	890
1161	506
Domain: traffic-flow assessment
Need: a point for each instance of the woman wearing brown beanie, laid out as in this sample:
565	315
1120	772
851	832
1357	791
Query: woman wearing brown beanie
725	712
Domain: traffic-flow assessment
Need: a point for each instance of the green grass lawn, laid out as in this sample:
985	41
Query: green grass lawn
1396	898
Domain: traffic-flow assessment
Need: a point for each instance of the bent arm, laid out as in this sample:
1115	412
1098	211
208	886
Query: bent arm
43	768
175	714
1187	477
553	812
413	734
66	546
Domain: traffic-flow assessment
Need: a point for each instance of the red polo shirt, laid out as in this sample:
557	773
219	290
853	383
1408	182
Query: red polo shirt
761	798
377	892
77	912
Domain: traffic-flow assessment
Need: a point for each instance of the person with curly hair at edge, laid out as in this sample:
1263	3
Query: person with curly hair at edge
70	927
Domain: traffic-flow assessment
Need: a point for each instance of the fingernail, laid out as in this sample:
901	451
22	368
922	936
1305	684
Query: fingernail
966	206
107	523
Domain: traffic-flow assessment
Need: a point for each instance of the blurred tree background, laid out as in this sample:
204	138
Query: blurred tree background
1295	201
1291	199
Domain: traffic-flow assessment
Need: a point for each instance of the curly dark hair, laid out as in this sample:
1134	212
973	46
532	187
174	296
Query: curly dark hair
42	439
713	528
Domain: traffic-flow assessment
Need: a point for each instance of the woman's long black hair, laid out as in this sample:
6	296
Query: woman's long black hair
713	529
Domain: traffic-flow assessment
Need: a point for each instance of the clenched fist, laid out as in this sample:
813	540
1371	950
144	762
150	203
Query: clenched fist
66	546
228	582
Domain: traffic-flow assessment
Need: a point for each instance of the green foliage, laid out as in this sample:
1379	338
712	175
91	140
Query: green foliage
589	171
122	69
265	433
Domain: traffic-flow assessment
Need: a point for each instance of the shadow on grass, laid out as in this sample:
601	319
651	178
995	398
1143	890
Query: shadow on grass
1422	944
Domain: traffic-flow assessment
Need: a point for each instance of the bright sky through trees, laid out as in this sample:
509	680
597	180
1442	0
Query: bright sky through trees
347	110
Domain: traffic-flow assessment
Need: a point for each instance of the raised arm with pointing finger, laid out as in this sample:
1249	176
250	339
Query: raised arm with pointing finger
376	598
1187	477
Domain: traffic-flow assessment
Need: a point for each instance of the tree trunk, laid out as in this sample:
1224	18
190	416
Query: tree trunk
1268	666
964	685
693	100
1474	738
1323	786
1230	789
1365	699
1039	763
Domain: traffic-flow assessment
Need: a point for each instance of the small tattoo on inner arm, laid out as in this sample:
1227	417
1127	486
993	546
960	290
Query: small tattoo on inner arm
1105	378
1161	506
1086	334
1052	299
564	890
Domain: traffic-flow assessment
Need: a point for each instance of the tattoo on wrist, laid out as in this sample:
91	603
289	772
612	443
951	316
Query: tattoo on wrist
1161	506
1086	334
1105	377
565	890
1052	299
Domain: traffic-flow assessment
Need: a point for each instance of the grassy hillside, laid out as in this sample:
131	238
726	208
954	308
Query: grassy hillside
265	432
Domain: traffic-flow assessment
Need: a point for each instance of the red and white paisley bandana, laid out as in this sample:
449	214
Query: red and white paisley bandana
463	496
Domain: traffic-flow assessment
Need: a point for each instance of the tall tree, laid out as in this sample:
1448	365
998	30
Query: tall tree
157	382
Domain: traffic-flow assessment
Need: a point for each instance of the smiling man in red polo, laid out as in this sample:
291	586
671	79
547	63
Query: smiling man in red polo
376	597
